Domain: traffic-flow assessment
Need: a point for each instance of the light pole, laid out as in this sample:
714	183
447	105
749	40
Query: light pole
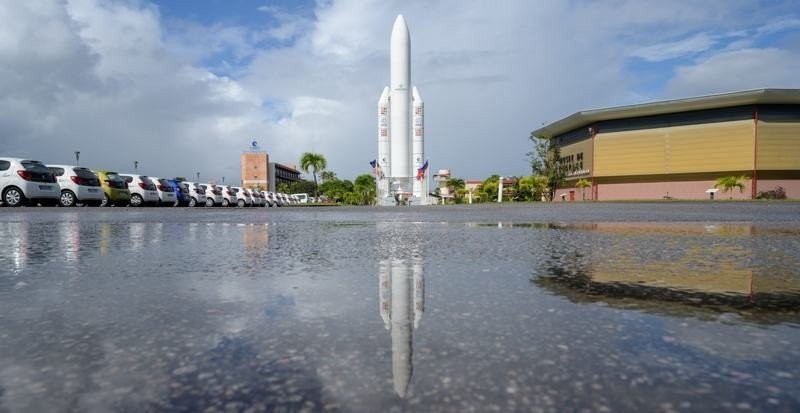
198	177
223	180
136	166
77	158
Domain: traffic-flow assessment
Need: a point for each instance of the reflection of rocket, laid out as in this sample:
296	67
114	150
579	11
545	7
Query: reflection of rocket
401	130
402	301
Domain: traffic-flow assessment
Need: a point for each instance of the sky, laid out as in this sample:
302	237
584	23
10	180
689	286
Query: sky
184	86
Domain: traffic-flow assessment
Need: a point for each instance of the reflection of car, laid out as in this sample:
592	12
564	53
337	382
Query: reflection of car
143	190
213	195
78	185
23	181
166	194
195	193
114	187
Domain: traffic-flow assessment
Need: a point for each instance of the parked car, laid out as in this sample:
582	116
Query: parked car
214	196
181	196
115	189
301	198
242	200
143	190
195	193
166	194
24	181
257	198
267	199
79	186
276	199
228	196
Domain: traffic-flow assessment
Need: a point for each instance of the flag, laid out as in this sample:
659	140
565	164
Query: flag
421	171
373	163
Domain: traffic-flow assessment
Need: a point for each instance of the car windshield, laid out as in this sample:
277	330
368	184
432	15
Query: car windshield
36	166
56	171
165	186
86	174
150	185
113	176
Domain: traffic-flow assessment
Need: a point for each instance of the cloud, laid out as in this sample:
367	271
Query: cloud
682	48
737	70
120	82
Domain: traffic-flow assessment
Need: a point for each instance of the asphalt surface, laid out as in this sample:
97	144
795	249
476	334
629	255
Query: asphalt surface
540	307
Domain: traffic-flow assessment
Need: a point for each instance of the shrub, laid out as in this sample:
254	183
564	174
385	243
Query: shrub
777	193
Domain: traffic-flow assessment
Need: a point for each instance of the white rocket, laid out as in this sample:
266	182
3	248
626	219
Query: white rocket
401	127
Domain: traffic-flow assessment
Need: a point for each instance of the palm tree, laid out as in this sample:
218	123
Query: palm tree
314	162
583	184
729	182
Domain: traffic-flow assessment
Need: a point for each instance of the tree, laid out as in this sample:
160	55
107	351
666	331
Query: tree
365	187
546	161
327	176
457	188
335	190
727	183
313	162
301	187
488	189
583	184
531	188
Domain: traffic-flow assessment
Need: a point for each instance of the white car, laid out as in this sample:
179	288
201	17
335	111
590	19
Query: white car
79	185
195	192
213	195
301	198
143	190
166	193
267	199
23	181
228	196
258	199
242	199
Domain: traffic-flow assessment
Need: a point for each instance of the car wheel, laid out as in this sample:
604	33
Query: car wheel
225	203
209	202
240	203
136	200
13	197
192	202
67	198
105	202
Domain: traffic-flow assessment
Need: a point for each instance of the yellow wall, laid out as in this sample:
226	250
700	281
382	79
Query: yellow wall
724	146
778	145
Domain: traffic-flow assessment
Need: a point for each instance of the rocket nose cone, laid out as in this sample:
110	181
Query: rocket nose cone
400	24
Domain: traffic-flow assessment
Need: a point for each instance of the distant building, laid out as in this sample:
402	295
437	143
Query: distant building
279	173
255	169
678	148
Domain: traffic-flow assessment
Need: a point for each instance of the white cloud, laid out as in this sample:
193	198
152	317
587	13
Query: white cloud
682	48
114	80
737	70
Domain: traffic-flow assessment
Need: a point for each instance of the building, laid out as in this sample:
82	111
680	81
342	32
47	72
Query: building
279	174
255	169
678	148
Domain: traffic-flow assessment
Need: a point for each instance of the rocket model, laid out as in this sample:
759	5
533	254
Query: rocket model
401	139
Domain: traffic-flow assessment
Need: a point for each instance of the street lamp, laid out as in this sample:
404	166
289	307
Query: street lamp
198	177
136	166
77	158
223	180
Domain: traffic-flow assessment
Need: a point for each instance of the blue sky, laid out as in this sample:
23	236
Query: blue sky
201	79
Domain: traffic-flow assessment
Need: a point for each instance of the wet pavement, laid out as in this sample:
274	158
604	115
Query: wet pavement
595	307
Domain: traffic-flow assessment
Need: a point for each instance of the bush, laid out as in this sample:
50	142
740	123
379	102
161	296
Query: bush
777	193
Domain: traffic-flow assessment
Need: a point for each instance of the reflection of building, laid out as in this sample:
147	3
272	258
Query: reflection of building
279	174
690	263
677	148
402	299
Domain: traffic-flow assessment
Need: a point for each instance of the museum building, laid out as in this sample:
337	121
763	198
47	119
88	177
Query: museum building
676	149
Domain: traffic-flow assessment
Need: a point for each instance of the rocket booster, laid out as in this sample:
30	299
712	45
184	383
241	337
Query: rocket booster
418	139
